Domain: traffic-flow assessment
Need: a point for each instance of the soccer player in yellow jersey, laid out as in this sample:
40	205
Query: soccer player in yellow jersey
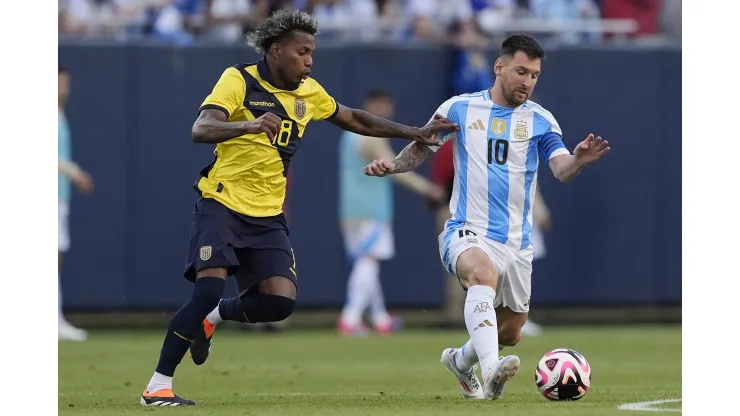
256	116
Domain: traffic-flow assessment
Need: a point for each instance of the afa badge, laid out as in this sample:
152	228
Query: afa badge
300	108
521	132
498	126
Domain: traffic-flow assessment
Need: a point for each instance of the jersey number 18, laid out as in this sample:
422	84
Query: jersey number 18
283	136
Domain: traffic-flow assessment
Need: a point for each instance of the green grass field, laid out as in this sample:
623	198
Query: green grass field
320	373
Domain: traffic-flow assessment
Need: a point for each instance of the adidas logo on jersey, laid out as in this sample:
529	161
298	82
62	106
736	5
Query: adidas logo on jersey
477	125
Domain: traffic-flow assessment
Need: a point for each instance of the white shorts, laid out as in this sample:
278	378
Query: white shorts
368	238
514	266
63	226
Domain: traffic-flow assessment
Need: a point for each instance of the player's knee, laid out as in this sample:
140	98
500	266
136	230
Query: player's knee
276	308
480	274
475	268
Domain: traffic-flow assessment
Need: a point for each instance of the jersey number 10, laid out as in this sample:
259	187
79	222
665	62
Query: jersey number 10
498	151
283	136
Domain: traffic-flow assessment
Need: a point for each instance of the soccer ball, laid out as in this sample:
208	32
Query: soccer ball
563	374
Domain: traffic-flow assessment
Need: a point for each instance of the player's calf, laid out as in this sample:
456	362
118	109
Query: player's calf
510	325
509	337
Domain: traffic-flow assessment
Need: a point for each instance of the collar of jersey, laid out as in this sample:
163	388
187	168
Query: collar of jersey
265	74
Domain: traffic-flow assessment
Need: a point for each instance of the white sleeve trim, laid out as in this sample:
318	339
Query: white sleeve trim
559	152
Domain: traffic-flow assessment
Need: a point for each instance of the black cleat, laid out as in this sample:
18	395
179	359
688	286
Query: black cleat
164	398
201	346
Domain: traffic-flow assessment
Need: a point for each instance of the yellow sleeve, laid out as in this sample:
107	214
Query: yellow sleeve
228	94
324	104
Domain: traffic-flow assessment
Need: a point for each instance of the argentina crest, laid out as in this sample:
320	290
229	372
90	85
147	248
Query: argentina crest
300	108
206	252
498	126
521	132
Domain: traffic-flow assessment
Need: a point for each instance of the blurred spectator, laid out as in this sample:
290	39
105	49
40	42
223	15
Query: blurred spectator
434	21
229	20
366	220
566	10
174	20
94	17
493	15
390	16
169	20
645	12
70	173
348	19
465	24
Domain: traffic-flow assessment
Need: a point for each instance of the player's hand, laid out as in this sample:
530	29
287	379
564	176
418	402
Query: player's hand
378	167
429	134
268	123
591	149
83	182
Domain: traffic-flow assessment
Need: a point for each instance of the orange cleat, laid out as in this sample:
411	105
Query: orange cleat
201	346
164	398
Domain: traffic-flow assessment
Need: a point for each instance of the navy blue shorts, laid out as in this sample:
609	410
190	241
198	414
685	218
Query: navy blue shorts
252	249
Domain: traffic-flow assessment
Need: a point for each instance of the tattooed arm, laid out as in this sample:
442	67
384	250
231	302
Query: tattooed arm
408	159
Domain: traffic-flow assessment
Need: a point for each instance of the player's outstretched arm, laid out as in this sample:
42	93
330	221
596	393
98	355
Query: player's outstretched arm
211	127
566	167
366	124
374	148
408	159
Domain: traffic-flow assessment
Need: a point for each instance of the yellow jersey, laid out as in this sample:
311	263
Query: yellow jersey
249	172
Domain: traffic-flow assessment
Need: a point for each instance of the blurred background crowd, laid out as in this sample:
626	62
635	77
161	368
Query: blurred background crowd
462	23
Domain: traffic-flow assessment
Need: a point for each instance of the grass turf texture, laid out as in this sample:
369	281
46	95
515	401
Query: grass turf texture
320	373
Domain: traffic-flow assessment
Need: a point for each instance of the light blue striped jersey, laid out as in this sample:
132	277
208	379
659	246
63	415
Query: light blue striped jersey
361	196
65	153
496	160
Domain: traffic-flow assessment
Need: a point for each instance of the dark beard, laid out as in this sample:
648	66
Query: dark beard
510	100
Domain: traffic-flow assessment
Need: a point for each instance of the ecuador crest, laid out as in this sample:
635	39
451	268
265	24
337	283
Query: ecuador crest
300	108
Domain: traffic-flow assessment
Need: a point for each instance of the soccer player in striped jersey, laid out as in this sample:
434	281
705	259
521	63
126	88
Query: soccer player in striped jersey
487	241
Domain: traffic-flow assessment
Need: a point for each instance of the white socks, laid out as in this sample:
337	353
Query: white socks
480	318
159	382
360	289
466	357
214	317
